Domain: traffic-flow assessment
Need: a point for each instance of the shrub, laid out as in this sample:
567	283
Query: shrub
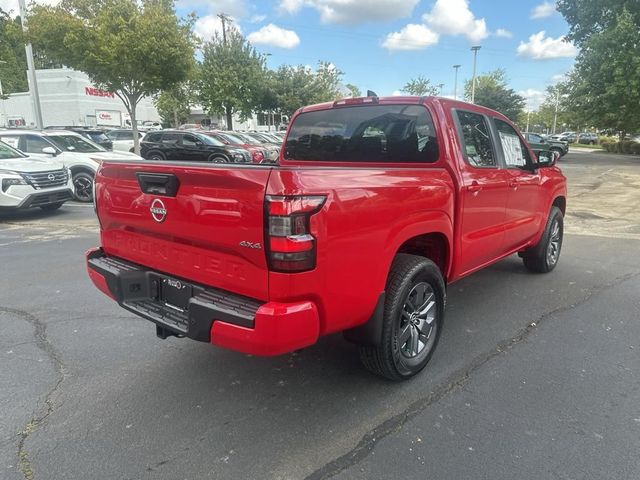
625	146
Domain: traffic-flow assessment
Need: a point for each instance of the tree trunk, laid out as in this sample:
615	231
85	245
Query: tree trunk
175	118
229	118
133	103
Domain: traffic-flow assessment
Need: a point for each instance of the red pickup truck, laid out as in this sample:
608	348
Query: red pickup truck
375	206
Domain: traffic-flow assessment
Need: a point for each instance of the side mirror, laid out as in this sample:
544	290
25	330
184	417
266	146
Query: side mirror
546	158
50	151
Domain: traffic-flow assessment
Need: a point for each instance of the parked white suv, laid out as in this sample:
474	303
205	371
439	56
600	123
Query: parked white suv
28	182
79	154
123	139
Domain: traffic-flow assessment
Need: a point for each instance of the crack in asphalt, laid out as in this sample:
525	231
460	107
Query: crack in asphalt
43	343
455	382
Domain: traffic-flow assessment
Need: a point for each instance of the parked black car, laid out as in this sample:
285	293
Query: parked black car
190	147
96	135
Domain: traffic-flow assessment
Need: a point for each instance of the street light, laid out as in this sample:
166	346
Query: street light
455	82
33	88
474	49
440	86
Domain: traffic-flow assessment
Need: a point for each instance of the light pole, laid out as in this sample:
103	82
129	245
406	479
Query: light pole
4	111
33	87
440	87
528	113
473	81
555	115
455	82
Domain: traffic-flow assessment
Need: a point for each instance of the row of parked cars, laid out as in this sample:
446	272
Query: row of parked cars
49	167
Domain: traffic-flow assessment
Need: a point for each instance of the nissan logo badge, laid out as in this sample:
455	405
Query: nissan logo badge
51	177
158	210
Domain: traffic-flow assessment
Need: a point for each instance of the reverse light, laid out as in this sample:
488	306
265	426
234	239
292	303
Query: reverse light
290	245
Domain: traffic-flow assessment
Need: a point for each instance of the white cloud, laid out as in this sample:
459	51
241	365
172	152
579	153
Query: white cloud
560	77
275	36
397	93
234	8
533	98
540	47
502	33
205	27
543	10
411	37
257	18
453	17
352	11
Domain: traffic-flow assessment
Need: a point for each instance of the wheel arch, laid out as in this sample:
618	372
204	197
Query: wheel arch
82	169
561	203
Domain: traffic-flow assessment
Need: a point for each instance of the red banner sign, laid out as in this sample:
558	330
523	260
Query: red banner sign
96	92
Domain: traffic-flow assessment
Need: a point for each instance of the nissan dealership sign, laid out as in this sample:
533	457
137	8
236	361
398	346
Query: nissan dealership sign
108	117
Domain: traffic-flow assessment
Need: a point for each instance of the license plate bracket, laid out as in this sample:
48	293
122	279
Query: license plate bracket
176	293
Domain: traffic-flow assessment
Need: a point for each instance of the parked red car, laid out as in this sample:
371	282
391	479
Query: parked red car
377	205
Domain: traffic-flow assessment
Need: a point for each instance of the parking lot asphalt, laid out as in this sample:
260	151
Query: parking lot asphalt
536	376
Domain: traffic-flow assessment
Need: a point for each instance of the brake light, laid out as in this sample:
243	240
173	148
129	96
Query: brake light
355	101
290	245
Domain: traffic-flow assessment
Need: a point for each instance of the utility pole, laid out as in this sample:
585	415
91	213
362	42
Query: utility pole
33	87
455	82
224	18
473	81
555	115
440	87
528	113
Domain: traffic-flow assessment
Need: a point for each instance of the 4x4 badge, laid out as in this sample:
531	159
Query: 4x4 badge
158	210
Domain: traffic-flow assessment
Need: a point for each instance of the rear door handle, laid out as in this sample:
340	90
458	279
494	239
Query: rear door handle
475	187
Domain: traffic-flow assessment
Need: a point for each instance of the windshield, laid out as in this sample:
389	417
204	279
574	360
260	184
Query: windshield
248	139
232	139
7	152
75	143
98	137
372	133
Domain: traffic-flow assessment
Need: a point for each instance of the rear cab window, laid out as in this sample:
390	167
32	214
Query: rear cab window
394	133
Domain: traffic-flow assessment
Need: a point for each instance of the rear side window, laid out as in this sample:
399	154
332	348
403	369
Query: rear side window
371	133
171	138
476	139
153	137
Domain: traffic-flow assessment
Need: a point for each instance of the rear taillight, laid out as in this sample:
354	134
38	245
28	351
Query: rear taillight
257	156
290	245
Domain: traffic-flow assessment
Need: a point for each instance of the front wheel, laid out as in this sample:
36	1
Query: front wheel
545	255
83	187
218	159
413	319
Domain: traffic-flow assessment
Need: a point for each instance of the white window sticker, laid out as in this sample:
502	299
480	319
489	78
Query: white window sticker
512	150
11	141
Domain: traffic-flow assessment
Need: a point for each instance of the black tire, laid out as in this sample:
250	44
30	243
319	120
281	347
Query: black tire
83	187
545	255
560	153
51	207
218	159
391	359
155	155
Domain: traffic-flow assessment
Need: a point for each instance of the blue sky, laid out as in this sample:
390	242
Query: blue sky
381	44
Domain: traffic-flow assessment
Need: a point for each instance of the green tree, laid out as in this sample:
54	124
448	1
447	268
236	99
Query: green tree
13	69
232	76
420	86
353	90
590	17
604	86
131	48
493	92
174	104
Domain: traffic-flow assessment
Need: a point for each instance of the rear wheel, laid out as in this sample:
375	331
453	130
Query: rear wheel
51	207
413	319
557	150
83	187
544	257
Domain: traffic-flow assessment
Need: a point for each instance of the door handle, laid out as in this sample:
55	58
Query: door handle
475	187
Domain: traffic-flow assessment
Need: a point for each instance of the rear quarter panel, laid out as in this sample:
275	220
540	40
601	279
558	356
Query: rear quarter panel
368	215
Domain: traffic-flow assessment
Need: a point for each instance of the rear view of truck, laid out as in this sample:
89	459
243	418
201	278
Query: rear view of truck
265	259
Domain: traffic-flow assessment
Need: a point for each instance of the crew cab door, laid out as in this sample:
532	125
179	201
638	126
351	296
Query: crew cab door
523	217
483	196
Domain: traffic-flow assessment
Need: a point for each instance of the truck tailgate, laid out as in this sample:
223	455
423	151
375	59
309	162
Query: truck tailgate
200	223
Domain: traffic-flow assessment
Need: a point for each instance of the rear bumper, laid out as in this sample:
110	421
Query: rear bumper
211	315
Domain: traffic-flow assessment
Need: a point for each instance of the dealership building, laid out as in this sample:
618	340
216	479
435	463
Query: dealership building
67	97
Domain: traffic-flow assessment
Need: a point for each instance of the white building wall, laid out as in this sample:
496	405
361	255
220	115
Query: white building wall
67	97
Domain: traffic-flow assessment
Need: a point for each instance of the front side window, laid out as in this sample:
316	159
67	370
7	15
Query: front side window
6	152
364	133
189	141
171	138
476	139
515	151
